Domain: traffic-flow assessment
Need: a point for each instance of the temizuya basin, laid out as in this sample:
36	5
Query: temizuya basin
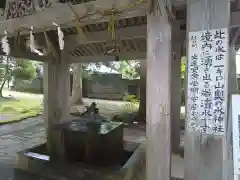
37	162
94	142
93	150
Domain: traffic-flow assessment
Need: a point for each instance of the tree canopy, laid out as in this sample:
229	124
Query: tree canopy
19	69
128	69
24	70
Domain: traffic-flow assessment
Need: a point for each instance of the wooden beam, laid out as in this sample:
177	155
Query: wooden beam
134	32
205	153
180	3
103	36
30	56
86	59
159	56
27	55
19	50
99	58
63	15
232	89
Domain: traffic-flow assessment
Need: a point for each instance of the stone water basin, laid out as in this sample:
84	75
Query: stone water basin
37	161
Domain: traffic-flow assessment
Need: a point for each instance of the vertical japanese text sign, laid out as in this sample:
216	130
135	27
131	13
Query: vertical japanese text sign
236	135
207	88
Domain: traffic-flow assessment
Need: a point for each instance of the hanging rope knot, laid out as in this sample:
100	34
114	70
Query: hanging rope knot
112	12
111	25
5	44
78	24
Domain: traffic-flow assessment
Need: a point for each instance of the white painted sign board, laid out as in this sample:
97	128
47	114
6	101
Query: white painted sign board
236	135
207	87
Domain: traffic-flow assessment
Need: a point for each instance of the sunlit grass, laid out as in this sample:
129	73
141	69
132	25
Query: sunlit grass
19	109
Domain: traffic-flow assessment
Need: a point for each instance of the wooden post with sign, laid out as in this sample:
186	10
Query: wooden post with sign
232	89
207	96
235	108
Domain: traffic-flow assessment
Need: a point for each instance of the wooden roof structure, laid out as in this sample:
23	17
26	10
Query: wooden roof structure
88	29
93	17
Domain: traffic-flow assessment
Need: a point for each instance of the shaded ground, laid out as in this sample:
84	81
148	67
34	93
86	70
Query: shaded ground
25	134
16	106
28	133
18	136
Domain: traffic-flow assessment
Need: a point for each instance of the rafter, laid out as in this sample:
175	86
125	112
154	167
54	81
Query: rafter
102	36
120	56
64	16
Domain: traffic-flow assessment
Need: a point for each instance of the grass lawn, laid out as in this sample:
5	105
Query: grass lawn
13	110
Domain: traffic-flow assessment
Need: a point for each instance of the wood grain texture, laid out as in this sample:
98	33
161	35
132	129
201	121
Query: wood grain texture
232	89
205	160
56	102
61	14
159	56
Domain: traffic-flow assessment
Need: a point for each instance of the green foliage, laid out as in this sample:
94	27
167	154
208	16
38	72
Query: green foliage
131	98
25	70
2	70
1	73
130	69
19	109
132	102
183	66
183	70
86	75
90	68
5	69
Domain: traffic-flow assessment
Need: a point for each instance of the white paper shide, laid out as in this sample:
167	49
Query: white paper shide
5	44
60	36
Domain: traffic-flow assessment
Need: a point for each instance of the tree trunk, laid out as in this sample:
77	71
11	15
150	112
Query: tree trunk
4	80
142	106
1	88
77	85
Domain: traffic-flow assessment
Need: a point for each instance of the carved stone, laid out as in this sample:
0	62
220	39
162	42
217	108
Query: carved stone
18	8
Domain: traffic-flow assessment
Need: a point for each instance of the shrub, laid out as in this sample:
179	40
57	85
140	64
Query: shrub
24	70
132	102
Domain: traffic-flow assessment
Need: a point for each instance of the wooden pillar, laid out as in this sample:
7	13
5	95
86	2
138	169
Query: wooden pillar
176	87
159	56
232	89
56	92
77	97
142	107
56	102
205	152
